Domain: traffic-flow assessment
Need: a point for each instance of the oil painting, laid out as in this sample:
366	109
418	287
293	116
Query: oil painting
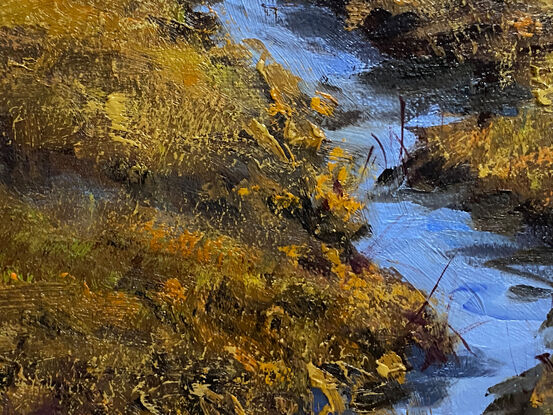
277	207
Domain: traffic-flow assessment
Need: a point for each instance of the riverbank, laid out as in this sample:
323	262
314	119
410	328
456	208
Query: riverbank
176	232
506	159
454	30
497	57
444	175
495	163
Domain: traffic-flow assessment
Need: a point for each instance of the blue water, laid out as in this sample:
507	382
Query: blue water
418	242
415	240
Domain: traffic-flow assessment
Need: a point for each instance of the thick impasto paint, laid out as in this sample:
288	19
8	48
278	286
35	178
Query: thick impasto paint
295	207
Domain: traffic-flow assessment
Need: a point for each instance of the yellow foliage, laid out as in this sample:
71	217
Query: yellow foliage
343	271
535	400
514	153
337	153
273	373
181	64
391	365
265	139
292	251
342	175
279	106
321	107
173	291
243	191
288	101
279	79
526	26
116	111
324	103
303	133
542	395
331	186
286	200
251	300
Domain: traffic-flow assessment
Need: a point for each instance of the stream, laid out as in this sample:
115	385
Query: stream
416	233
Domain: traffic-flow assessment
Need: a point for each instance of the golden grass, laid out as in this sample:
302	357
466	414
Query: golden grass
512	153
140	285
160	236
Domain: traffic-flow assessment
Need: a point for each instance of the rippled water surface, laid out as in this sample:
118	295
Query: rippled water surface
413	234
